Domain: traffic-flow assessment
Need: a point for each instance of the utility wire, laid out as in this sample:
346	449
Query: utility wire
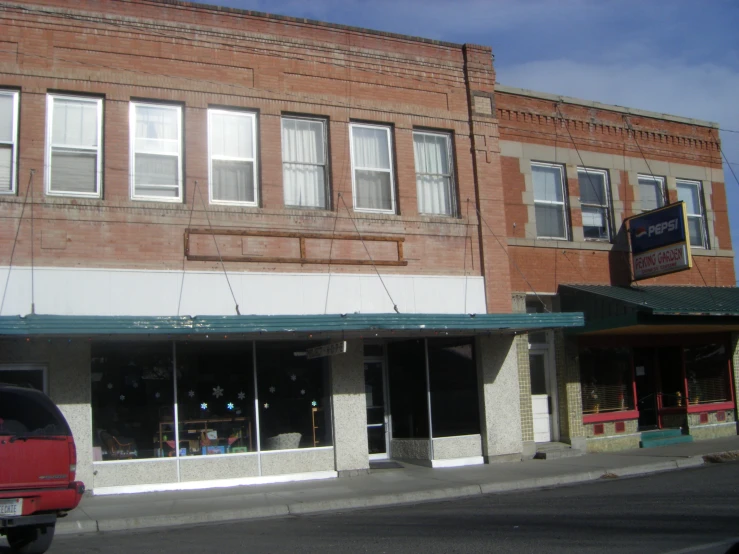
724	155
330	253
15	240
633	133
511	259
215	241
33	296
184	258
395	306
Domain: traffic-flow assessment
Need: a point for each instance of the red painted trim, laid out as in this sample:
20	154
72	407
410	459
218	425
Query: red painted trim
697	408
610	416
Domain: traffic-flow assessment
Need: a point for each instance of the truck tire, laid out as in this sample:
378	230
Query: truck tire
30	540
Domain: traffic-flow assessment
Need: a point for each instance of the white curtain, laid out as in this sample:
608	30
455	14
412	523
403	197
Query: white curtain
433	176
232	156
304	172
156	175
157	129
6	118
6	167
74	144
371	158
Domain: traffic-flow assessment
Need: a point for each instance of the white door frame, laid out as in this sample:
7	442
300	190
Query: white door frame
386	398
547	350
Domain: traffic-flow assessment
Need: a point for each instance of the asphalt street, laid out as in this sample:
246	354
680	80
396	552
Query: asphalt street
680	512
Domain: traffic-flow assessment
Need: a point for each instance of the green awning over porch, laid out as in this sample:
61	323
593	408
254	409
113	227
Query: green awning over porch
650	309
290	325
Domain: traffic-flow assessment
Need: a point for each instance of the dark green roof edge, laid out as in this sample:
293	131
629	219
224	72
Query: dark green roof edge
68	325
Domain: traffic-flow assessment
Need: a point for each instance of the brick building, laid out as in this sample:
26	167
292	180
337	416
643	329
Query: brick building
239	247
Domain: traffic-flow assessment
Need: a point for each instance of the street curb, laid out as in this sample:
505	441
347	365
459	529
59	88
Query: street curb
415	497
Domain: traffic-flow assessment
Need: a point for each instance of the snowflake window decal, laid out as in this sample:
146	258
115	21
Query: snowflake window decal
230	405
157	395
135	384
293	377
123	397
204	406
241	395
217	392
302	391
272	390
266	405
314	403
191	394
110	386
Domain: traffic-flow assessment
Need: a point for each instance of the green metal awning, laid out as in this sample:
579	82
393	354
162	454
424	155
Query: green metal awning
632	310
291	325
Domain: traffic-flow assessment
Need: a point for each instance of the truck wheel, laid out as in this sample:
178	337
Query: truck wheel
30	540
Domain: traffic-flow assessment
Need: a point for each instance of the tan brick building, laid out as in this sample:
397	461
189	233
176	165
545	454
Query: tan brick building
195	200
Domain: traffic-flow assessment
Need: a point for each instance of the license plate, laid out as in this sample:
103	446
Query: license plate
11	507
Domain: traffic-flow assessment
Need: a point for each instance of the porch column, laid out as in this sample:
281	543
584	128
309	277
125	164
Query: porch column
349	410
500	413
569	391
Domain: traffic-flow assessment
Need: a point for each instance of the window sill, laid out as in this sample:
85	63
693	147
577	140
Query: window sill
713	407
610	416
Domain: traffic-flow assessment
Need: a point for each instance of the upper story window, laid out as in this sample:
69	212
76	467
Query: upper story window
372	168
74	134
8	141
651	192
594	202
549	201
304	162
434	173
156	152
690	192
232	148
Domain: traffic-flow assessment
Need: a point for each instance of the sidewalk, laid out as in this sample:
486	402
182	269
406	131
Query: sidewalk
381	487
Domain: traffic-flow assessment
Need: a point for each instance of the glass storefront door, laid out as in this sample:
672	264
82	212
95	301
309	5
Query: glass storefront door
377	416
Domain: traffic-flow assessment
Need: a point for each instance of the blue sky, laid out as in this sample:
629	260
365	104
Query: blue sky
672	56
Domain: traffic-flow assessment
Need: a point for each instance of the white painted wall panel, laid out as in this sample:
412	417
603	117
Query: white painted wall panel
81	291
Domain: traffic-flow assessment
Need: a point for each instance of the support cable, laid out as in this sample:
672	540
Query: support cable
546	309
582	162
330	253
633	134
724	156
184	257
395	306
218	250
15	240
33	288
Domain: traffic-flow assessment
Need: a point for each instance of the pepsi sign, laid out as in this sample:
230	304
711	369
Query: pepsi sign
659	241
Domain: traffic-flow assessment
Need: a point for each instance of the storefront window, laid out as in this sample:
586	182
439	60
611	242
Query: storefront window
606	380
132	390
215	396
294	407
453	380
408	396
707	370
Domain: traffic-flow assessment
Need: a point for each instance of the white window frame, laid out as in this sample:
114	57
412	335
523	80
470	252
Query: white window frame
563	203
132	149
659	180
702	215
607	197
253	159
28	367
355	168
13	142
450	164
98	150
327	196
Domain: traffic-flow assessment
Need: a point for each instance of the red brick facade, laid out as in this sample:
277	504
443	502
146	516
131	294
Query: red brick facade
201	57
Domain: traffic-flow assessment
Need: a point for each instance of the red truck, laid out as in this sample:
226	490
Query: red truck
38	461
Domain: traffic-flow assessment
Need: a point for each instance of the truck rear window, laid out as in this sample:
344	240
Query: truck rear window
29	413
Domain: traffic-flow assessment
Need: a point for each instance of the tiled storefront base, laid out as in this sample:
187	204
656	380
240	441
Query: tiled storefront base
133	476
604	437
447	451
712	427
